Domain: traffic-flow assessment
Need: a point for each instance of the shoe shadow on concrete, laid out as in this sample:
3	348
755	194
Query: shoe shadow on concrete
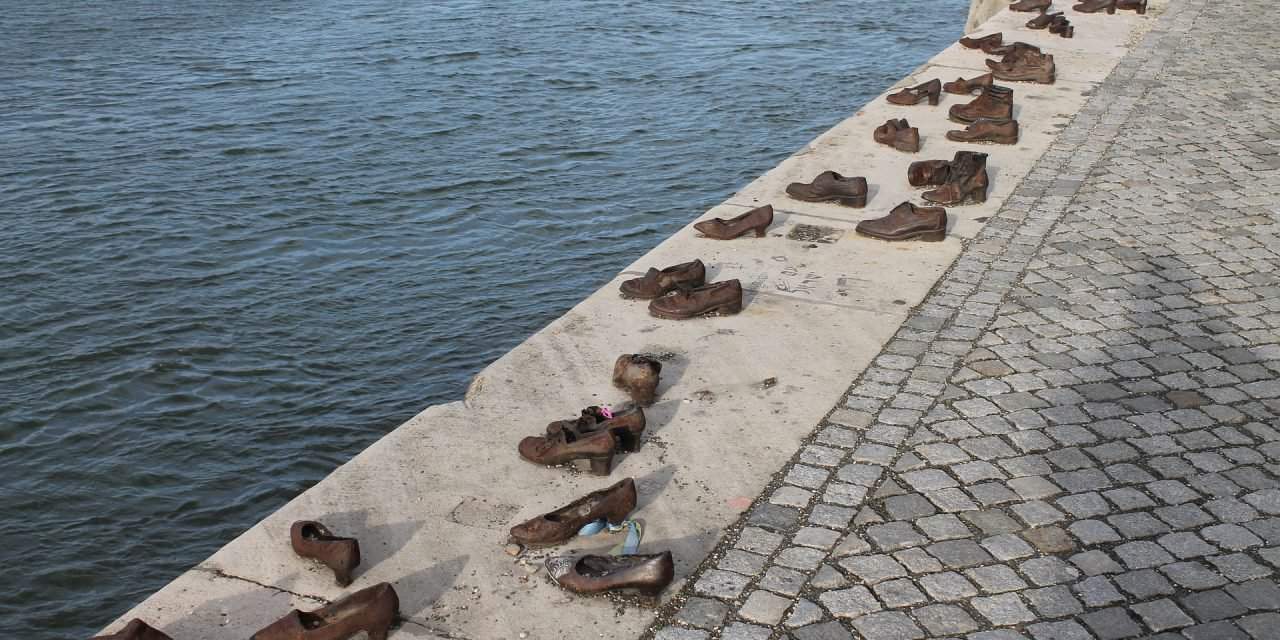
378	542
251	608
651	485
419	591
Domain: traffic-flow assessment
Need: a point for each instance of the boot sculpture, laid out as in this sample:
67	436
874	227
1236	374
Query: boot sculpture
721	298
830	186
371	610
656	283
611	504
756	220
991	131
930	91
966	181
1031	5
907	222
591	574
898	134
638	376
965	87
135	630
995	103
1062	27
983	43
1043	20
596	447
313	540
1030	67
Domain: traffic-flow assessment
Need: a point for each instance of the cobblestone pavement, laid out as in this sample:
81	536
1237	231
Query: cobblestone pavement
1076	435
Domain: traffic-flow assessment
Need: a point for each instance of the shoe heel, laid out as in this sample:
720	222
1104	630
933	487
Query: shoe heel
978	195
933	100
854	201
601	466
1142	8
378	634
760	231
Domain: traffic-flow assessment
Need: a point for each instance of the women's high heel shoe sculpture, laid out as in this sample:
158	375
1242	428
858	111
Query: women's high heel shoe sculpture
757	220
597	448
908	222
656	283
313	540
372	610
611	504
1095	6
1031	5
930	91
966	181
627	427
720	298
964	87
1043	20
984	42
647	574
135	630
638	376
830	186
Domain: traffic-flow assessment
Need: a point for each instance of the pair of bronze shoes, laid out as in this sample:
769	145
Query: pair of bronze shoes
989	118
962	180
135	630
931	91
680	292
898	134
1110	6
908	222
830	186
756	220
595	437
372	610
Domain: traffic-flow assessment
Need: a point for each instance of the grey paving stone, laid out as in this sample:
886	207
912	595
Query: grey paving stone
764	607
1002	610
743	562
892	536
1257	594
871	569
996	579
1063	630
943	620
824	631
804	613
788	582
916	560
721	584
744	631
677	633
1208	606
1144	584
959	554
898	593
803	558
759	540
888	625
1053	602
816	537
704	613
1111	624
1162	615
828	577
1192	575
849	603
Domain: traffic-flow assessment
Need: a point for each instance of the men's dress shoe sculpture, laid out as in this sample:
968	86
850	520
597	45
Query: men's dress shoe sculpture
372	610
830	186
627	427
1013	52
1031	67
964	87
135	630
1043	20
930	91
995	103
908	222
656	283
1062	27
984	42
966	181
720	298
647	574
596	447
638	376
1095	6
313	540
757	220
1031	5
898	134
990	131
611	504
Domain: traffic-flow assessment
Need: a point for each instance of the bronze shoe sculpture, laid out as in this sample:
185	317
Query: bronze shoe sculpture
966	181
757	220
928	172
656	283
647	574
1043	20
1062	27
1030	68
830	186
313	540
596	447
907	222
720	298
1013	52
135	630
995	103
611	504
1031	5
964	87
627	427
930	91
898	134
372	610
638	376
984	42
1094	6
1132	5
988	131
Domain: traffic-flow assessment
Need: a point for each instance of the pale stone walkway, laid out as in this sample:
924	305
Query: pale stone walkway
1076	435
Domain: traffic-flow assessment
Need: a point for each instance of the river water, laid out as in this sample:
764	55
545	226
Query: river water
243	240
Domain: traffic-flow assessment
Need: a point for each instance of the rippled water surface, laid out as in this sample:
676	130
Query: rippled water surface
242	240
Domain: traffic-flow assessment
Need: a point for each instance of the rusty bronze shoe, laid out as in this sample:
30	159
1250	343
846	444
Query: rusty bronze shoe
966	182
898	134
964	87
928	172
656	283
930	91
720	298
757	220
1031	5
995	103
908	222
1094	6
1132	5
830	186
313	540
1013	52
1062	27
611	504
627	427
1031	68
135	630
596	447
984	42
1043	20
647	574
372	610
638	376
989	131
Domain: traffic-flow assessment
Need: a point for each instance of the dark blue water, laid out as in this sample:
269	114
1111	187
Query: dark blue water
242	240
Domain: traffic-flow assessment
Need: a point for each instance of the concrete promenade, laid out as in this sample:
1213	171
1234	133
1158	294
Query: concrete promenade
1062	421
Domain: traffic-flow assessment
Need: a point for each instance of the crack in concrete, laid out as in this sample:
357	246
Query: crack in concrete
223	574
